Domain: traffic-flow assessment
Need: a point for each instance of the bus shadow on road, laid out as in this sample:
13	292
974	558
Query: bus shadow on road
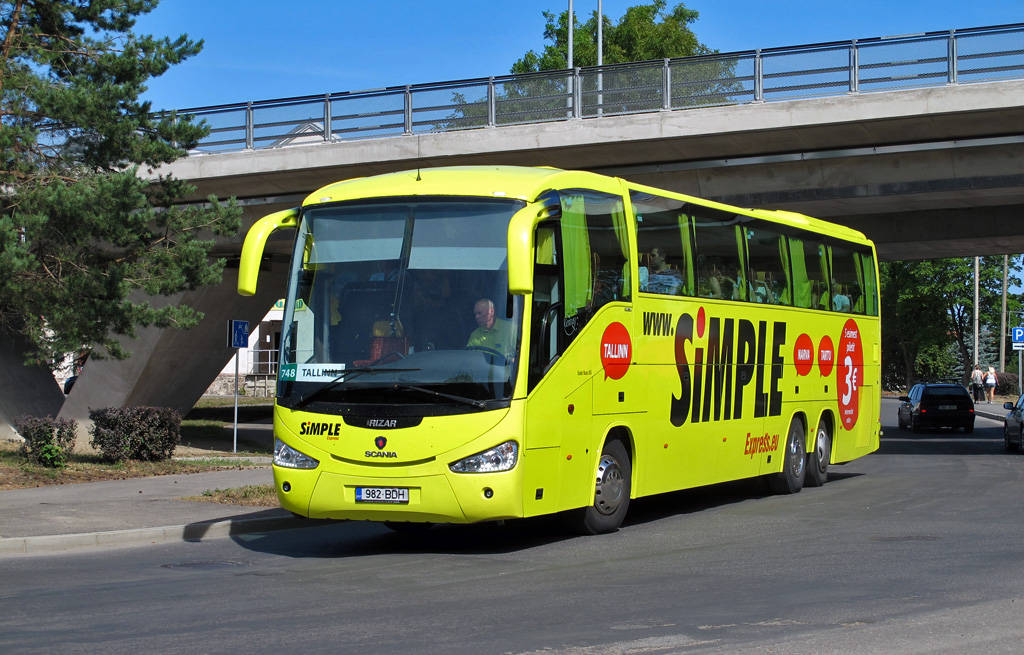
701	499
354	539
362	539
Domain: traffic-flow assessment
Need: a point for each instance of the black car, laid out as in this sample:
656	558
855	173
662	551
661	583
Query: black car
1013	425
936	406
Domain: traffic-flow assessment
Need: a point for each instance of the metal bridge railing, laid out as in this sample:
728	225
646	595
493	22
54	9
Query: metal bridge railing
828	69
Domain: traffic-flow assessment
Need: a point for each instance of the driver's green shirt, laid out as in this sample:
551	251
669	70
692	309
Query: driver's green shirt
501	337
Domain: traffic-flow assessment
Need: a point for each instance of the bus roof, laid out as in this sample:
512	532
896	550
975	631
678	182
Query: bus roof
528	183
520	182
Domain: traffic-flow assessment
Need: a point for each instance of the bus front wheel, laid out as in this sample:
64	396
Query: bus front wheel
817	459
614	479
794	466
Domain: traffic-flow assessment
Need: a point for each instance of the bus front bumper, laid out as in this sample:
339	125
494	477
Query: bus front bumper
434	498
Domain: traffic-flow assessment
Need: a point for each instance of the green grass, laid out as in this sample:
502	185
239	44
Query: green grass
17	472
255	495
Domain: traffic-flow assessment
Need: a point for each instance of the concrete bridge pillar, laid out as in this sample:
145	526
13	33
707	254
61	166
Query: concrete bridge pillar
172	368
24	389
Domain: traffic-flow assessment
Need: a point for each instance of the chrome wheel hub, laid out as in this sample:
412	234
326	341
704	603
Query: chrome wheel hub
610	485
796	456
823	448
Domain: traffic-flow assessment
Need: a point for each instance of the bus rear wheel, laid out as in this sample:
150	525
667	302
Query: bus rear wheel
817	459
794	466
614	478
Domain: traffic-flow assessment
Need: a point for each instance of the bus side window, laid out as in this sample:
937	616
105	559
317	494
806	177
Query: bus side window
665	244
718	239
848	287
809	270
595	263
767	256
548	305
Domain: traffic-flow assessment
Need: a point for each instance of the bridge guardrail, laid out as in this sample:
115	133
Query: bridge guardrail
809	71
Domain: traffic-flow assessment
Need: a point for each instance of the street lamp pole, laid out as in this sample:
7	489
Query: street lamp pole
600	58
571	30
977	359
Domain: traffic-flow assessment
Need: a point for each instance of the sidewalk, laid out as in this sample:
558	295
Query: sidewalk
136	511
131	512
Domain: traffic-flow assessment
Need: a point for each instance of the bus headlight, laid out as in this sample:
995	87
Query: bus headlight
499	458
288	457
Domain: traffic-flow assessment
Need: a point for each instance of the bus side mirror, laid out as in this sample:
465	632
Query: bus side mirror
520	247
520	259
255	242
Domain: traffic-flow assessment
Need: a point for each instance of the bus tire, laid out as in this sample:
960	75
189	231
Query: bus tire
817	459
794	466
614	479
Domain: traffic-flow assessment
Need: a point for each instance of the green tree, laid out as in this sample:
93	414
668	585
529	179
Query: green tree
645	32
84	240
928	308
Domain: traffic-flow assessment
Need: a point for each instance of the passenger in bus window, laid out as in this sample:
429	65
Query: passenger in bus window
493	333
711	280
663	278
840	301
743	286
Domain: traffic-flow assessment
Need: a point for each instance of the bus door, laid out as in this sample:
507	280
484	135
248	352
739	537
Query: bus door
558	394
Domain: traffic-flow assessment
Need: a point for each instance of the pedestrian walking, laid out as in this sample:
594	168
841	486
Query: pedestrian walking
977	384
990	384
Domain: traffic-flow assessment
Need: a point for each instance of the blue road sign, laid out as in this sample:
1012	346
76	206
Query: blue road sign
1018	334
239	334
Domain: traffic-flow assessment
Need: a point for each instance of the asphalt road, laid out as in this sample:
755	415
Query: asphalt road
914	549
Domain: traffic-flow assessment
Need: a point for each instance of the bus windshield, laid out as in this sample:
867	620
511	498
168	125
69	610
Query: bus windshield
401	302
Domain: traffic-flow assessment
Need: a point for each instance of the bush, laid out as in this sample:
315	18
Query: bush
148	434
1006	384
47	440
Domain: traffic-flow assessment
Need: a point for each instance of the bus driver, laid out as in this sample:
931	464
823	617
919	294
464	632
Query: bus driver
494	333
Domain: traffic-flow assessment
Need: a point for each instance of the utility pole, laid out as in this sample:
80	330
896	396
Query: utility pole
571	30
976	321
600	59
1002	319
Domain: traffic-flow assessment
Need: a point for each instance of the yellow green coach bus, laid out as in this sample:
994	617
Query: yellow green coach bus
470	344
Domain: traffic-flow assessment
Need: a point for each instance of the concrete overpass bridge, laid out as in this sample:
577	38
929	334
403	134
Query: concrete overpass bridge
918	141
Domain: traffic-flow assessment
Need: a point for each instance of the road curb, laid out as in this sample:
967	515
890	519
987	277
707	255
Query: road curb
195	532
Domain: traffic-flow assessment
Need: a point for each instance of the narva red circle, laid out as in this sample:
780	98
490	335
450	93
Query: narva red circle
803	355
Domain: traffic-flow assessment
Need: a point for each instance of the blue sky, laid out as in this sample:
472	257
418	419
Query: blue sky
263	49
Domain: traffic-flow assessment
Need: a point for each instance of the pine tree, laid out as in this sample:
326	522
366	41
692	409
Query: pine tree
84	239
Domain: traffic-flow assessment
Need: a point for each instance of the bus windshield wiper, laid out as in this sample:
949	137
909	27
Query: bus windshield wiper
344	377
437	394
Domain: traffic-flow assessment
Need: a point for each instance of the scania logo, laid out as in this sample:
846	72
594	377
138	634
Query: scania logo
380	442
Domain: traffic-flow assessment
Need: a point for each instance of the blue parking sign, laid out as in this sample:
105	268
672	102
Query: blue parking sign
238	334
1018	334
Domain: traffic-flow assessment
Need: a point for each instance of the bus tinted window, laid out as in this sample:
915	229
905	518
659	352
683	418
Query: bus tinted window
595	244
853	280
718	238
809	267
664	245
767	269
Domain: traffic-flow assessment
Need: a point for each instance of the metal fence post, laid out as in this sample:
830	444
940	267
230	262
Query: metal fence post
951	57
577	94
250	127
408	109
758	77
666	85
854	67
327	117
492	108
